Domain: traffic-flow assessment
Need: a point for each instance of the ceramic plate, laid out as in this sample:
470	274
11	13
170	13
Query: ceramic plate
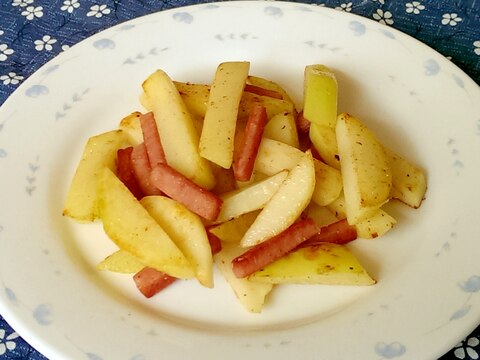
428	293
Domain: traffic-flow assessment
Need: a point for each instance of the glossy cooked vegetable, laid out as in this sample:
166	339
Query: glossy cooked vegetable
233	169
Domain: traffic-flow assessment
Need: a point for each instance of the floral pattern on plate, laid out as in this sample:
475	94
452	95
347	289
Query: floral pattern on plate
453	23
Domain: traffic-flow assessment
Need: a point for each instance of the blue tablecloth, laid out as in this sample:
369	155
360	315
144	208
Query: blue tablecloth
34	31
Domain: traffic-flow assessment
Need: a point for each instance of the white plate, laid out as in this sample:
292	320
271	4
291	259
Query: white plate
427	297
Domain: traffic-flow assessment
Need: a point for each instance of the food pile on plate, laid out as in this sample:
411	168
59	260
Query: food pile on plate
232	175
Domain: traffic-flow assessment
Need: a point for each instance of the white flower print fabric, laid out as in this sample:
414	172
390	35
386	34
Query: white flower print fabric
34	31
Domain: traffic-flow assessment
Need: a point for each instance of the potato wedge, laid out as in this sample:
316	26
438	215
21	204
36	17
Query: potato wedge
274	156
327	263
286	205
325	142
408	180
269	85
187	232
195	97
177	130
233	230
272	105
366	173
328	183
337	207
375	225
218	132
130	125
320	214
282	127
256	177
100	151
250	294
121	262
135	230
249	198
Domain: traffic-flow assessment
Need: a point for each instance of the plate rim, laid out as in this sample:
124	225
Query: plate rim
24	85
